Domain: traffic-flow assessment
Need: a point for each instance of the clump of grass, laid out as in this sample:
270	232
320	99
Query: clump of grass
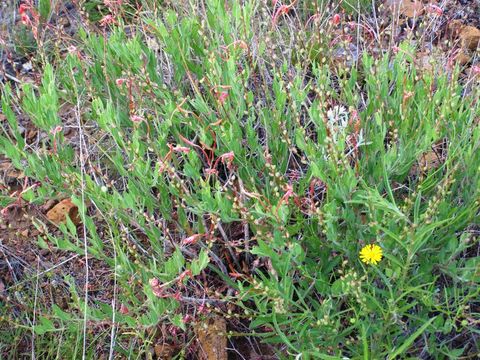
221	169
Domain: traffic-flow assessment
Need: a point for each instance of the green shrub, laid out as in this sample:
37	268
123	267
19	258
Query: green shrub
201	152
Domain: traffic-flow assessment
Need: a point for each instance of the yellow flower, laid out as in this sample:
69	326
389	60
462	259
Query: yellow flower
371	254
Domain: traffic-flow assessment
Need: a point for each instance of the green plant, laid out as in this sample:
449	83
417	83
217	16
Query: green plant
211	174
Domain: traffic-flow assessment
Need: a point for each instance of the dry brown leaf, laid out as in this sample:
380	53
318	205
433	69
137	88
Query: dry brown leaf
474	71
58	214
164	351
429	60
470	37
430	160
425	62
48	205
364	218
462	57
7	170
409	8
433	60
454	27
211	335
31	134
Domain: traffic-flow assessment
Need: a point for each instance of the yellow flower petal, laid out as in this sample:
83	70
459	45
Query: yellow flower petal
371	254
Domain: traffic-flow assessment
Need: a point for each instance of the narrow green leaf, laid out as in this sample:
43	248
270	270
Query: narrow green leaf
411	339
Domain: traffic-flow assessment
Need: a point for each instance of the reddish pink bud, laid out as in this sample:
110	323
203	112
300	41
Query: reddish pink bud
25	19
181	149
222	97
336	19
123	309
107	20
282	10
120	81
162	167
157	291
187	318
154	282
192	239
407	95
289	191
228	157
22	9
242	45
211	171
432	8
235	275
56	130
136	119
183	275
112	3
